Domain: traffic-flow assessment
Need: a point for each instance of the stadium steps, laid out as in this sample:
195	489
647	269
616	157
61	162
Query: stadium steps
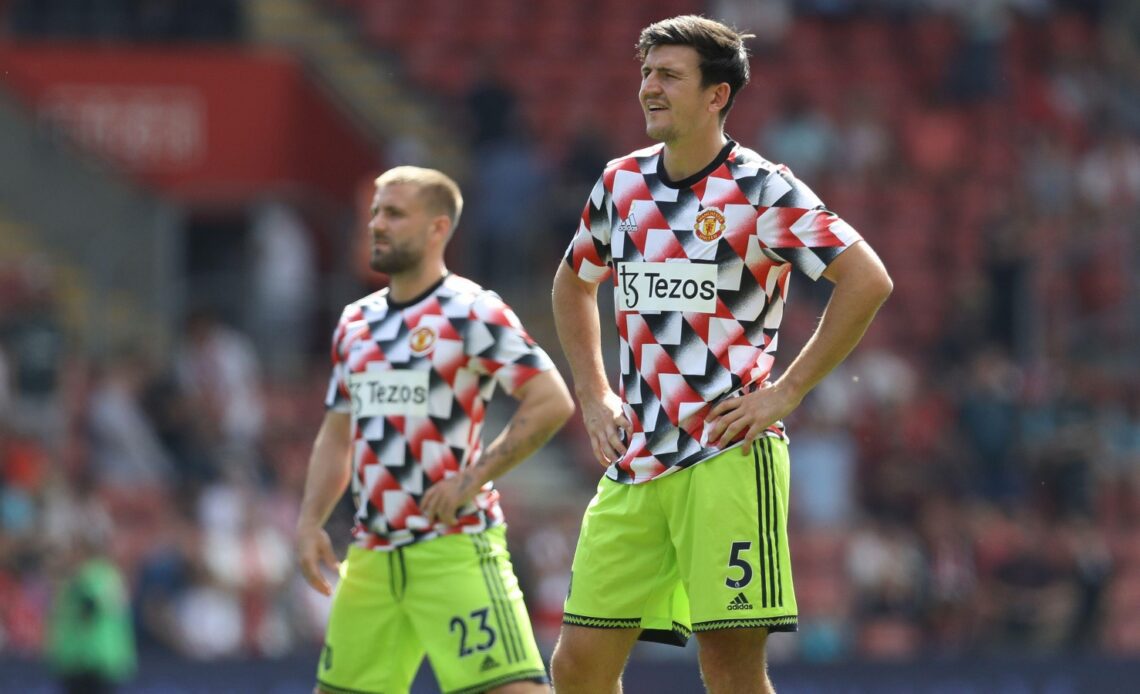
21	252
360	77
109	245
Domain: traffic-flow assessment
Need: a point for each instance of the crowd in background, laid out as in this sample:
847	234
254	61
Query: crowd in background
967	483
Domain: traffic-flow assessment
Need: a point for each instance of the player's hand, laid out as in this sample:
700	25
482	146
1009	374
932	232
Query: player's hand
749	414
608	427
313	549
442	501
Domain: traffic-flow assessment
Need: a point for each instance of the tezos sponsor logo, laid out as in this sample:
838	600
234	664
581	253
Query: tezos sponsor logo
689	287
401	393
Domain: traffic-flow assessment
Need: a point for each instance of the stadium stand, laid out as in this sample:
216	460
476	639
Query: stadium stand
979	486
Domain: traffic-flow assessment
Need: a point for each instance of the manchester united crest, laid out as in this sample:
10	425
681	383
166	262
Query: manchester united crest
710	225
421	340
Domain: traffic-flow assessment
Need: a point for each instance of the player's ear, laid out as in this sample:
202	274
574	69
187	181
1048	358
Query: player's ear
720	94
441	227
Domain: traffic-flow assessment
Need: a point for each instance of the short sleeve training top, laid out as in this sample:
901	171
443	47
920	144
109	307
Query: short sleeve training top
416	378
700	271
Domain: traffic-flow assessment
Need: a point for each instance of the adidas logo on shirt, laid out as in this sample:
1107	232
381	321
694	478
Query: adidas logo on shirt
488	664
740	603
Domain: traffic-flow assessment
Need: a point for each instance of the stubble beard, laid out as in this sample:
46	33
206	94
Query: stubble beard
394	261
661	133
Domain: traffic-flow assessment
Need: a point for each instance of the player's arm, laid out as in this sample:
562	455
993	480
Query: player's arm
579	330
544	406
861	286
330	469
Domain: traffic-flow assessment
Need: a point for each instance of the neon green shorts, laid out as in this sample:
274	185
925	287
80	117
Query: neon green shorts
454	598
698	550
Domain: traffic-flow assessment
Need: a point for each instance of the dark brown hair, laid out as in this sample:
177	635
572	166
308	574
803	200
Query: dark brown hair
724	57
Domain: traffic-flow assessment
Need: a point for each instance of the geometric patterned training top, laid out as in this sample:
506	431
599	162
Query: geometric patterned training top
416	378
700	272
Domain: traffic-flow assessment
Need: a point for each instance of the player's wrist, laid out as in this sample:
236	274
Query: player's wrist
790	391
593	395
306	525
475	476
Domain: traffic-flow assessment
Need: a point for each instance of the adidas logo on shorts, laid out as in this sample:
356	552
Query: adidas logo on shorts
740	603
488	664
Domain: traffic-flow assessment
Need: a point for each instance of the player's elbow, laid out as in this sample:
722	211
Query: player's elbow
549	400
882	286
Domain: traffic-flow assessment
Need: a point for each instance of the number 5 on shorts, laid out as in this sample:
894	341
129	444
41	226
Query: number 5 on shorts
736	561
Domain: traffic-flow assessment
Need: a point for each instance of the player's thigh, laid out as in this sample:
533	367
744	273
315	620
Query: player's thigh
624	567
729	523
369	642
466	606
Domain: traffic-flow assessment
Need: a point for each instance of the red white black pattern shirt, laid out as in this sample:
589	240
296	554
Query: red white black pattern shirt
416	378
700	271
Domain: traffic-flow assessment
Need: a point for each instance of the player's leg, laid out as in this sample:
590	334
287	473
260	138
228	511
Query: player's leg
728	519
524	687
369	642
590	660
624	586
465	604
733	661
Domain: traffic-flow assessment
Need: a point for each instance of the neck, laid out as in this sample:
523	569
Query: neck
409	284
686	156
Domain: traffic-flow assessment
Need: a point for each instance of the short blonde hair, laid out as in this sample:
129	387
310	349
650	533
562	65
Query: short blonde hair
438	191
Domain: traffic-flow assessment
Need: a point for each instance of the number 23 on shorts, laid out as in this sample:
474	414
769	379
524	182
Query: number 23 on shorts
477	639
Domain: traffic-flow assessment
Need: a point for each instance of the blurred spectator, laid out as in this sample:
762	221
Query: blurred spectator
250	559
976	71
208	619
284	287
547	555
988	419
826	457
953	581
1108	176
1047	171
767	19
221	371
163	574
801	137
492	106
571	182
125	450
865	144
1092	567
1120	42
888	571
34	344
183	434
505	213
1029	603
91	642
